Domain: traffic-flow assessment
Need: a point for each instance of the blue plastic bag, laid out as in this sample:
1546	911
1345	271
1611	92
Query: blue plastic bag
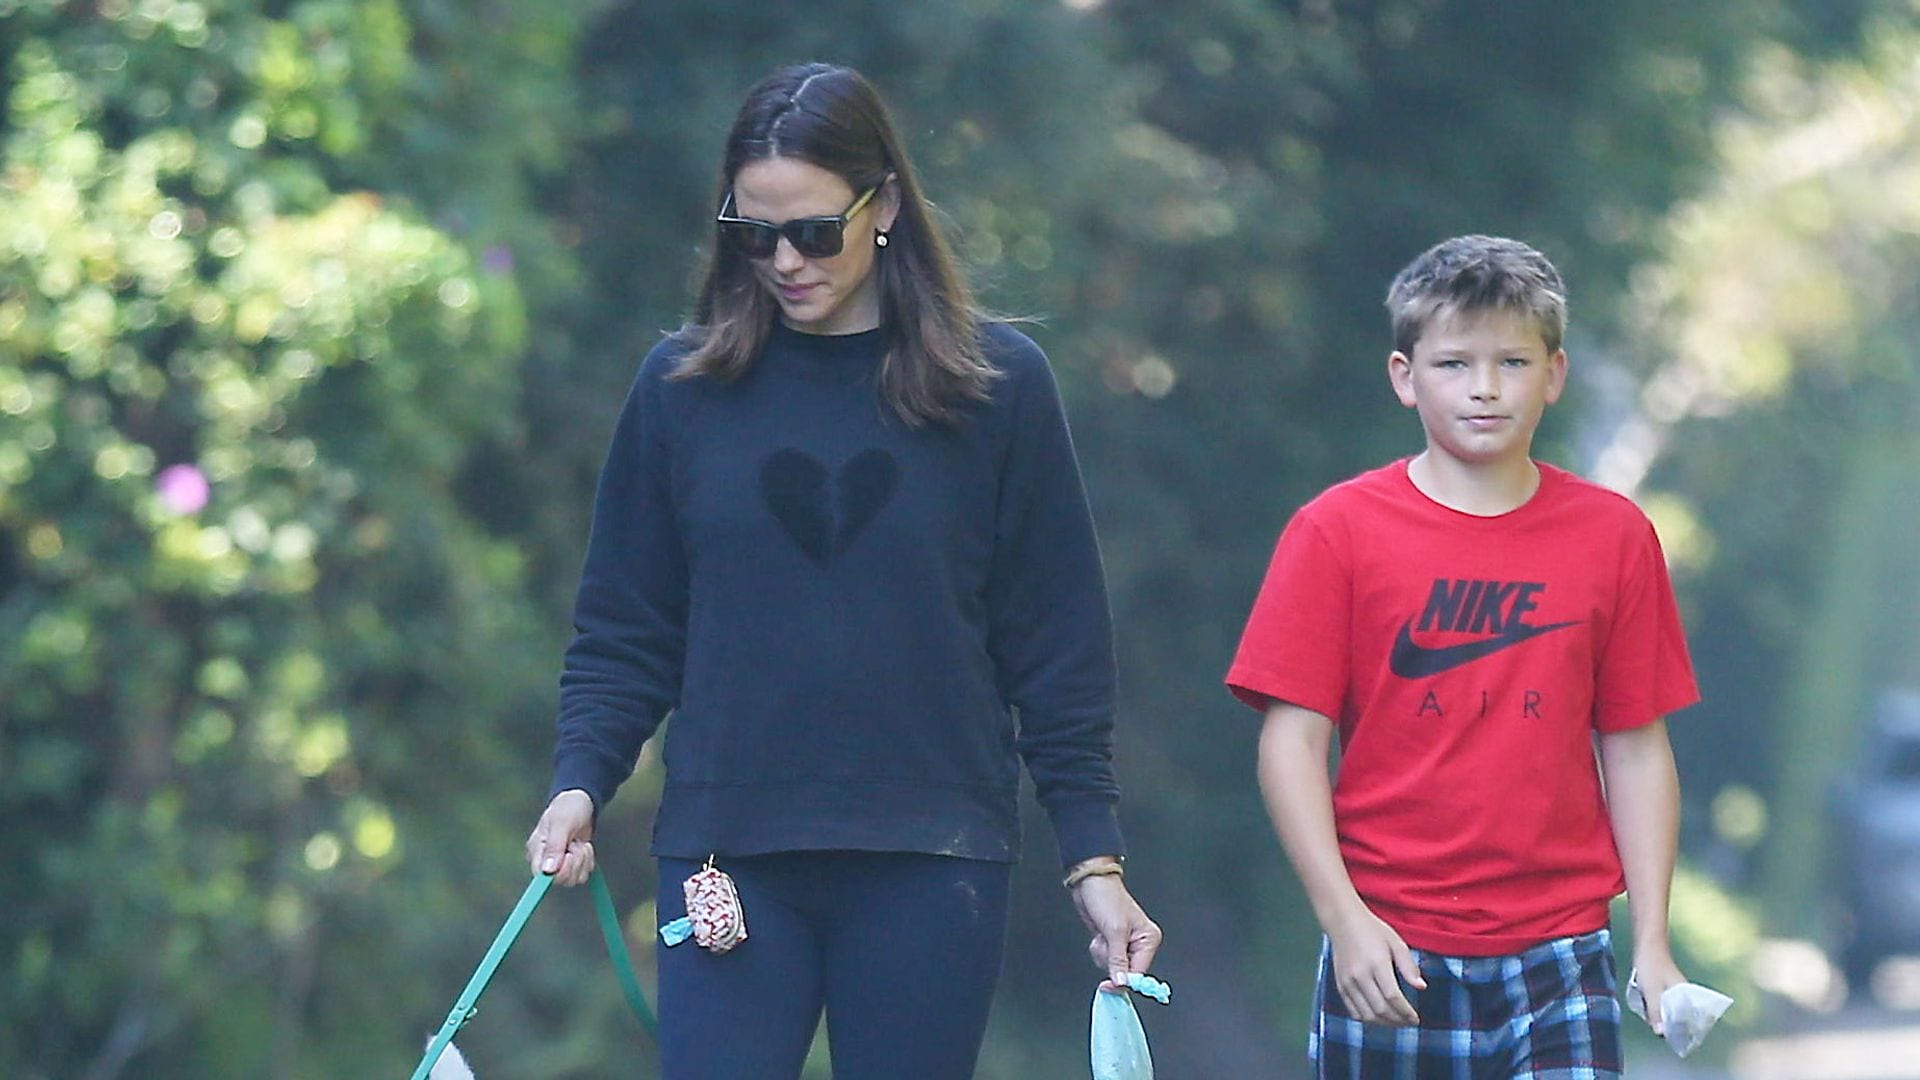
1117	1044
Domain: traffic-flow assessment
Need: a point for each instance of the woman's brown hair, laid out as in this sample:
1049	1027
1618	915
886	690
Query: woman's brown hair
833	118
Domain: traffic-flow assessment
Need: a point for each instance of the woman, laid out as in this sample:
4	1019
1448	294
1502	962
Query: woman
841	536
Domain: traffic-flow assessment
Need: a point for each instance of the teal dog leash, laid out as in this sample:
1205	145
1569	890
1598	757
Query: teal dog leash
465	1008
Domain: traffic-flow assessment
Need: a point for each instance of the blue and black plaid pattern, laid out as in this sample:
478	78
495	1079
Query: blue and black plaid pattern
1549	1013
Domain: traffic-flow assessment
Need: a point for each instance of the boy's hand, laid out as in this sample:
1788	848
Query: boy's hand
1369	960
1657	972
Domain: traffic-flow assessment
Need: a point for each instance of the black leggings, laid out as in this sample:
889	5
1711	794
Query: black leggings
902	950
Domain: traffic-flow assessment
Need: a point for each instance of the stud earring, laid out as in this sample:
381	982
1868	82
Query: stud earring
879	238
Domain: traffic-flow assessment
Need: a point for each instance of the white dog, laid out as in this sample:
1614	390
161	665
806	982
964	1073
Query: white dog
451	1065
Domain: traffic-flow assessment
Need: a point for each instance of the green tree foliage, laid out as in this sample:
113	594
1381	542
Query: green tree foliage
1782	410
377	272
254	644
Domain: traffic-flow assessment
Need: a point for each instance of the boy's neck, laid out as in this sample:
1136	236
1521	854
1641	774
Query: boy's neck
1483	489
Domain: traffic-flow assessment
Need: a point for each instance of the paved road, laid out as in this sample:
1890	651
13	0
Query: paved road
1856	1043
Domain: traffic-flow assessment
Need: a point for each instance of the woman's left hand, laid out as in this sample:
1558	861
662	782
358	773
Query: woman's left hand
1124	939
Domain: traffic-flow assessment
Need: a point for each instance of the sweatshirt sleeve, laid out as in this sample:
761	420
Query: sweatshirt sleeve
622	671
1050	632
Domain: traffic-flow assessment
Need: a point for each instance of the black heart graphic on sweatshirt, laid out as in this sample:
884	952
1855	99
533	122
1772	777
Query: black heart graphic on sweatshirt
825	522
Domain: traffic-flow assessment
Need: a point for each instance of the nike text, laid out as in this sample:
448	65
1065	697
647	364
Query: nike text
1462	605
1478	607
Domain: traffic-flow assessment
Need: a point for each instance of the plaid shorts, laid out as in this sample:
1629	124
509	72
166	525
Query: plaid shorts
1549	1013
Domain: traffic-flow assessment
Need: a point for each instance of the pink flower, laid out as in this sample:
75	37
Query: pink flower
182	489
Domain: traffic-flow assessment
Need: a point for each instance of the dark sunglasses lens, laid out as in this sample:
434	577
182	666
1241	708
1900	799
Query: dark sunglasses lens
751	239
815	239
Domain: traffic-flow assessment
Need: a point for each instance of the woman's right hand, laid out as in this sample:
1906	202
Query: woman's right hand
562	843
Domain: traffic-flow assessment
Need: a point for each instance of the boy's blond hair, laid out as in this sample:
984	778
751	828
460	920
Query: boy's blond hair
1477	273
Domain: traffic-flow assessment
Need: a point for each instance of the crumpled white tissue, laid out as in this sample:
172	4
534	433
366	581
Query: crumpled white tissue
1687	1012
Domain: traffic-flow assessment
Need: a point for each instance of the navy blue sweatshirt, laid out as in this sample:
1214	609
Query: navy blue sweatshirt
860	628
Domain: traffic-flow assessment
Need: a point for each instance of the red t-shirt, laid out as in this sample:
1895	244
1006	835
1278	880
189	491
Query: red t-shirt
1468	662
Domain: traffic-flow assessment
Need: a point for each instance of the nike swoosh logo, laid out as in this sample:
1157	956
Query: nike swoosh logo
1410	661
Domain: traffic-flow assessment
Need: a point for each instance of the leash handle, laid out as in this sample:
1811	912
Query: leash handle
465	1008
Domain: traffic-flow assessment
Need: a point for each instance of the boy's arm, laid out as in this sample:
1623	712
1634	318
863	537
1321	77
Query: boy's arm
1643	800
1367	953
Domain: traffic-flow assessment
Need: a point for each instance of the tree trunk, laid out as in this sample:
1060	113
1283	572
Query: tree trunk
1831	683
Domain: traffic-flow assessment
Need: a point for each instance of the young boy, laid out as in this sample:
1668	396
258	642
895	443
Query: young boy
1473	624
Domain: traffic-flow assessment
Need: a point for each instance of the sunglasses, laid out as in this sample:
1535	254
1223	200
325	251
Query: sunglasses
813	237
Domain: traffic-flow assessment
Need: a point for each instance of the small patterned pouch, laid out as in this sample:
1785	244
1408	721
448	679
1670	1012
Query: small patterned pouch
714	919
